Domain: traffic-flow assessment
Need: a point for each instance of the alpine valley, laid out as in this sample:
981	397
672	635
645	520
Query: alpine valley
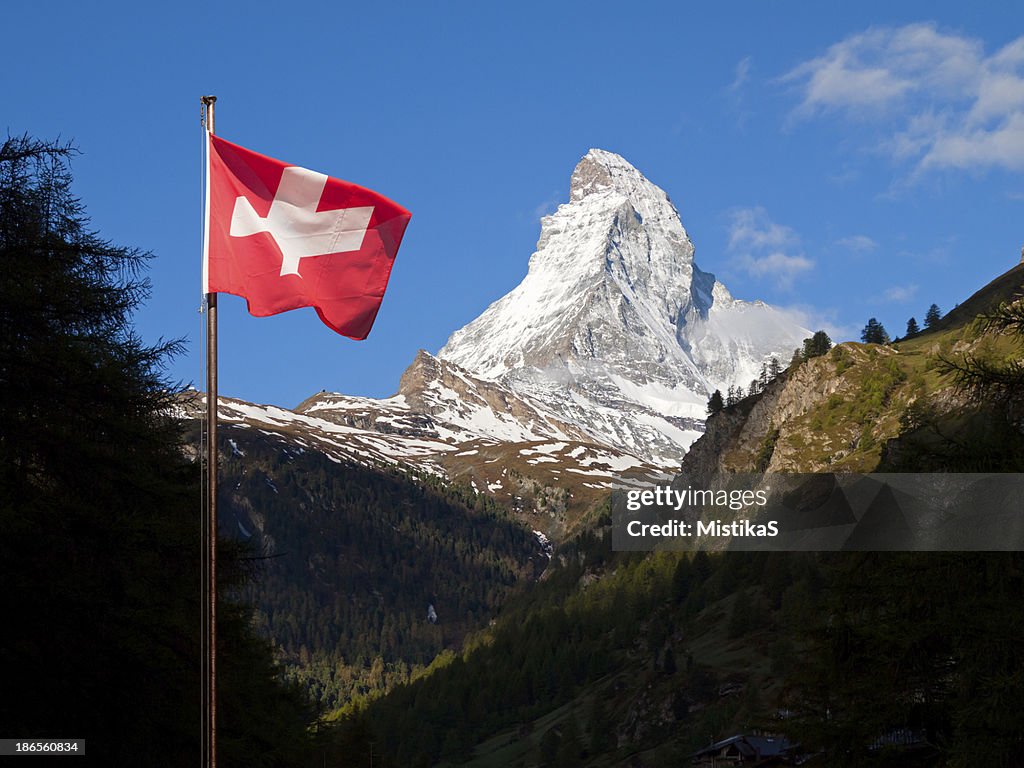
593	373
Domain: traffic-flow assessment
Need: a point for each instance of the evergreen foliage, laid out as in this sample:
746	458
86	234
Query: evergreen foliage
733	395
990	379
556	640
985	433
99	557
816	346
894	647
912	327
715	403
874	333
353	558
932	316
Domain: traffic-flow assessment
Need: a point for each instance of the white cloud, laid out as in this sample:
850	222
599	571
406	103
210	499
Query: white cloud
944	102
753	228
857	243
819	319
1002	146
776	264
763	248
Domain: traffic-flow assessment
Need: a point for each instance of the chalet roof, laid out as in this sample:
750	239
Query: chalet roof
748	746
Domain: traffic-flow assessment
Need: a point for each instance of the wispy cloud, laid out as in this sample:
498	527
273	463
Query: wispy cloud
735	91
945	102
844	177
777	264
548	206
763	248
899	293
857	243
742	75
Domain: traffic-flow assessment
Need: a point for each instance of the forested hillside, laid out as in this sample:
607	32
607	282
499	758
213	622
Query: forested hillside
350	559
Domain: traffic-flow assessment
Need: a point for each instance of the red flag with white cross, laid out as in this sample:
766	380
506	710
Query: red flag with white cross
285	237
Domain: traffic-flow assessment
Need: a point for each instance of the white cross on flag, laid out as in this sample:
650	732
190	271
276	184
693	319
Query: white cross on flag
284	237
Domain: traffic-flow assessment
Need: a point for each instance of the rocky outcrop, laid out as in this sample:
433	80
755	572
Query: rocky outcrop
830	413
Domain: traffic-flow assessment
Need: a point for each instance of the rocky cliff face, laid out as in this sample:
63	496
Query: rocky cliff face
451	396
829	414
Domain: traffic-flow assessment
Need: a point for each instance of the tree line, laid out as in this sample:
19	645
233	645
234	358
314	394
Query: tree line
813	346
874	332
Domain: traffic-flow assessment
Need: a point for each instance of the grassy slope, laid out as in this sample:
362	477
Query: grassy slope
848	429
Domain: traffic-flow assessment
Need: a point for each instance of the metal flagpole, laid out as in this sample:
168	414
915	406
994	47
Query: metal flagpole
211	468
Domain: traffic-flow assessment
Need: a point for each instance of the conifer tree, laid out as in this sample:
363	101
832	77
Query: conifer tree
99	557
932	316
715	403
730	396
874	333
817	345
912	327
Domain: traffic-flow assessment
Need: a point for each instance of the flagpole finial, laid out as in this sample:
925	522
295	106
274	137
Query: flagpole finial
207	111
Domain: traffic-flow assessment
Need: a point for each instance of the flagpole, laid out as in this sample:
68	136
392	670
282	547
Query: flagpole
211	468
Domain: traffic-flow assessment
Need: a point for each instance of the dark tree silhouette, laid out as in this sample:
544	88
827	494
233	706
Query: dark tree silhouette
732	396
817	345
99	557
874	333
715	403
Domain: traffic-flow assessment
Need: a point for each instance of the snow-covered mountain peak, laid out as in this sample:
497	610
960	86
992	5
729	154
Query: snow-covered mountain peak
601	171
614	328
612	264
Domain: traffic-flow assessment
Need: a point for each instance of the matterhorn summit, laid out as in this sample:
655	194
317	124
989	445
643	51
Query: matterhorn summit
614	329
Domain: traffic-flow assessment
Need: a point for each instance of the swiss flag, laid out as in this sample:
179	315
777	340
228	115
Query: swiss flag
284	237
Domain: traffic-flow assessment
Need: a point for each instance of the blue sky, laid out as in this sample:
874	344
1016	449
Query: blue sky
845	160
